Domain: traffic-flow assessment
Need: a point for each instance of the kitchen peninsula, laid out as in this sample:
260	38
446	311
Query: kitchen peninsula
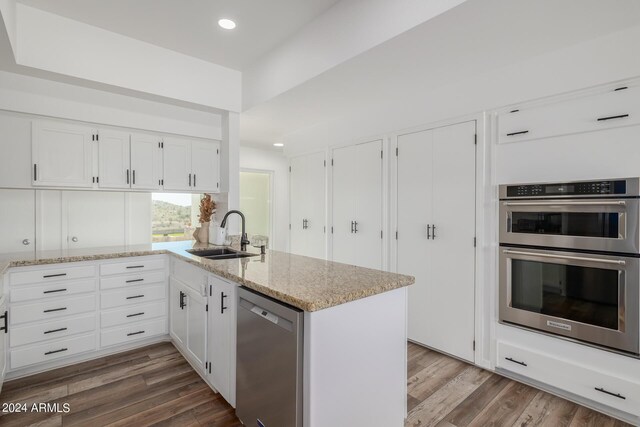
354	319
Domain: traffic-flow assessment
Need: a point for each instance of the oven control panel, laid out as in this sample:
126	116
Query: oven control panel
590	188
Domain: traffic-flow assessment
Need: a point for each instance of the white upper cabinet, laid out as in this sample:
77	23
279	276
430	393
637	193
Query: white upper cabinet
191	165
604	109
16	168
62	154
177	164
146	162
93	219
113	159
205	166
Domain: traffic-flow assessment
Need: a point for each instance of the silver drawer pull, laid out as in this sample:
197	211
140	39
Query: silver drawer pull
515	361
135	314
135	266
54	309
54	275
135	333
55	330
54	291
134	280
618	395
136	296
55	351
567	257
561	203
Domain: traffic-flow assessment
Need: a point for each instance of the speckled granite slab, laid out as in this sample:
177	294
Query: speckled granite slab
309	284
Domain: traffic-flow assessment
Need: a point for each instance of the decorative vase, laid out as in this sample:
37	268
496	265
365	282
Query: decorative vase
202	233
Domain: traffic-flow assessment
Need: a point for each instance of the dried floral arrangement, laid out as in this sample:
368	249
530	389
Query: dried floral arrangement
207	208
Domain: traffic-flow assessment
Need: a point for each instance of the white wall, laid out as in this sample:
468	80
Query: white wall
63	46
269	160
413	103
8	11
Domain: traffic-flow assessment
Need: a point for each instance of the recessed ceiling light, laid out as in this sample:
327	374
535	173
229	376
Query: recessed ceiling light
278	144
227	24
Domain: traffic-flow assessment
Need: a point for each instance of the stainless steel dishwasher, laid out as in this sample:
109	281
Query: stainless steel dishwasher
269	362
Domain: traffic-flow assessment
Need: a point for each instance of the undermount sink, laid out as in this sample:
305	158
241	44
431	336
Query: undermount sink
211	252
222	253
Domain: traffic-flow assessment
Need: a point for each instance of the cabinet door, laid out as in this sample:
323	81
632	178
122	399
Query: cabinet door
452	274
414	250
297	200
62	154
222	337
94	219
315	205
177	314
3	345
344	196
177	164
16	168
196	327
145	162
113	159
205	166
368	191
17	221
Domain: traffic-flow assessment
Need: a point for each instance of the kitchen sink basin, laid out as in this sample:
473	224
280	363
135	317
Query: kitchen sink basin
211	252
222	253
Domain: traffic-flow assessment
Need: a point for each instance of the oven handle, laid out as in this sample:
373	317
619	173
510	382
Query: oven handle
573	258
568	203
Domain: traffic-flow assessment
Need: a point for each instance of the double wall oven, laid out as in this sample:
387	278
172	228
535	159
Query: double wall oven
570	260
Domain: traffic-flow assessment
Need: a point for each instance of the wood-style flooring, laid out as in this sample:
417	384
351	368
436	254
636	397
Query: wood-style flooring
446	392
154	385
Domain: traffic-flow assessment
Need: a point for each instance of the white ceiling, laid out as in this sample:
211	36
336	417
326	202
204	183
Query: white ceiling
470	40
190	26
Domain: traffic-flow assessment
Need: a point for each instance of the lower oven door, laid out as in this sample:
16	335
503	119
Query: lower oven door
588	297
609	225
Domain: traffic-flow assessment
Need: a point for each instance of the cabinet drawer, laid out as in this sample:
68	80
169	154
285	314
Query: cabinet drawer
60	307
192	276
53	350
586	381
136	265
51	274
132	280
52	290
137	295
604	110
134	332
45	331
135	313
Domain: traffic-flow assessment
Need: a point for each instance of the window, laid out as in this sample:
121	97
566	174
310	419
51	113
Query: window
174	216
255	204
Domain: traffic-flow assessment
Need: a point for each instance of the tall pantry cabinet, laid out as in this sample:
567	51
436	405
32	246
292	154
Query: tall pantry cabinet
356	195
307	205
436	235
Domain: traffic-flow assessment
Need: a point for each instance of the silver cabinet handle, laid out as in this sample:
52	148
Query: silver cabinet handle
567	257
74	239
26	242
568	203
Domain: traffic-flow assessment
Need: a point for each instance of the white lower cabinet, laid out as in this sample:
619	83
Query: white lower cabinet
46	352
23	335
612	389
221	371
133	332
188	321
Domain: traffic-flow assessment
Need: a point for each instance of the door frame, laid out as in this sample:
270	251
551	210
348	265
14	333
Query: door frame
272	192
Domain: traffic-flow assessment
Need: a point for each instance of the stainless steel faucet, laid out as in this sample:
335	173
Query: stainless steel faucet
243	239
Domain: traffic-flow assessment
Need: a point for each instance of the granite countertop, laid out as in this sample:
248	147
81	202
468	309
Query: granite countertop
309	284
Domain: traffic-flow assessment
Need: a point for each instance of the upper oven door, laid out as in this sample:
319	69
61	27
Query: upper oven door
589	297
609	225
